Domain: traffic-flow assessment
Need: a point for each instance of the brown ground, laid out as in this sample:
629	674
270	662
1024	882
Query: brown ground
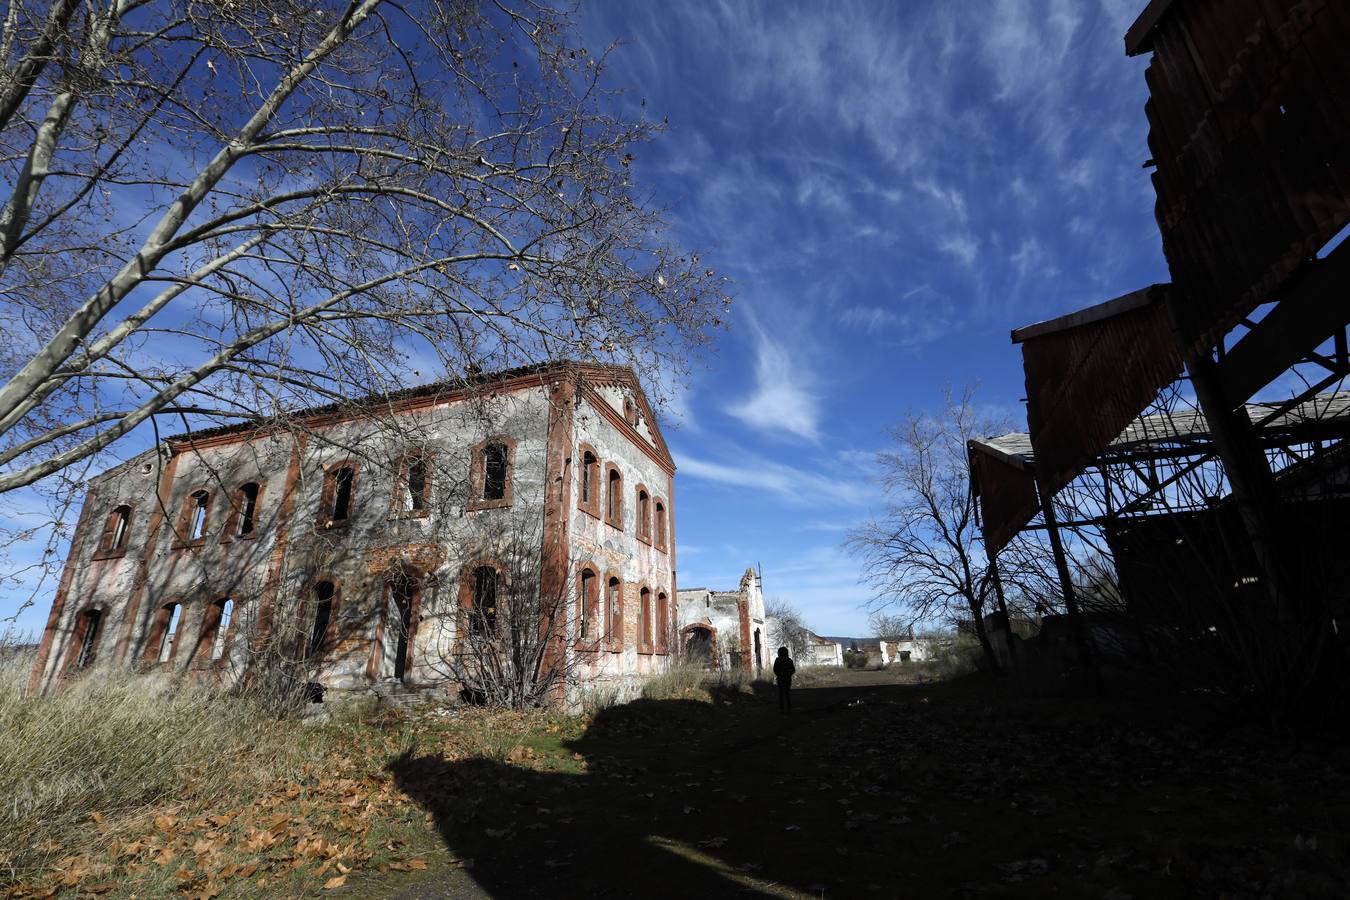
878	789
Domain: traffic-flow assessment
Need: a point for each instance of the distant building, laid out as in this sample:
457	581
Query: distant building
903	650
825	652
724	629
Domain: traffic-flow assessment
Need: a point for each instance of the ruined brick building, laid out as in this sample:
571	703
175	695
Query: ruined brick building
373	543
725	629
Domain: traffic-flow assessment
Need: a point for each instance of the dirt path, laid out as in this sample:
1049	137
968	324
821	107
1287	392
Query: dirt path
886	791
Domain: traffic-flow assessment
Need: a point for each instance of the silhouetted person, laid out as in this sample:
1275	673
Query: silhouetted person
783	670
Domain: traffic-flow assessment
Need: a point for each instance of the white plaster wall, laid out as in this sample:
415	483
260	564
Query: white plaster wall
594	541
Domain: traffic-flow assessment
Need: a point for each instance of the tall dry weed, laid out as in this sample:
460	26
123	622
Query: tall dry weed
110	745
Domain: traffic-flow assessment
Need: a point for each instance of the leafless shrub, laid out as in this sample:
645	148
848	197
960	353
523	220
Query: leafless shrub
923	555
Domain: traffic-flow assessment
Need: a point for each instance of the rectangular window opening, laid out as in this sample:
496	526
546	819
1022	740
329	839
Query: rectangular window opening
417	484
248	512
342	493
494	472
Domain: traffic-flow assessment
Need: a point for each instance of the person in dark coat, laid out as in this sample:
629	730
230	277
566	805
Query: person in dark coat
783	670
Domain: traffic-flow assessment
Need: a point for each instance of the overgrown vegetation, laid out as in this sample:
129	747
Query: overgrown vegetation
138	785
855	659
153	787
110	747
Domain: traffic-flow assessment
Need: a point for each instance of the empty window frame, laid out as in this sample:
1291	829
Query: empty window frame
588	493
164	645
645	620
644	514
614	497
659	523
214	639
321	600
588	605
246	509
495	461
344	480
662	622
483	613
490	474
339	494
84	646
196	512
116	531
614	611
412	495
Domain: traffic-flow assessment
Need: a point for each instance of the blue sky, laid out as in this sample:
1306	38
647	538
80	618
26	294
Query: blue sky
892	187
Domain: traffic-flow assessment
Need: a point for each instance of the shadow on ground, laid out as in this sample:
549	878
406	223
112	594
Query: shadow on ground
891	790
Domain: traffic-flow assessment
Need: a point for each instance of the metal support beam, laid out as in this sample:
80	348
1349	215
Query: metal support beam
1003	608
1315	307
1066	581
1248	472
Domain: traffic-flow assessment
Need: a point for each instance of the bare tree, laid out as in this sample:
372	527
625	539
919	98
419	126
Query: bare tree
890	625
505	645
791	628
923	555
225	210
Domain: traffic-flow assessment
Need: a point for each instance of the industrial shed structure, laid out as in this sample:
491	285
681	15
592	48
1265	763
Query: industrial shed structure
1250	145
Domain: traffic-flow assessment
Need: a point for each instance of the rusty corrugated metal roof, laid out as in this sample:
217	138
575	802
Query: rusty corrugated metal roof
1249	124
1002	467
1087	380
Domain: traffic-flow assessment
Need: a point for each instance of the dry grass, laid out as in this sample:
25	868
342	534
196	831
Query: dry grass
694	682
111	746
677	681
123	786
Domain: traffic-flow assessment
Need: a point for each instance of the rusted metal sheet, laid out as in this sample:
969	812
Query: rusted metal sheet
1006	490
1249	119
1087	382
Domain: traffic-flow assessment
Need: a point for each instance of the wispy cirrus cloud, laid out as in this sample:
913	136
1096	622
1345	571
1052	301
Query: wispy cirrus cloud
783	400
795	485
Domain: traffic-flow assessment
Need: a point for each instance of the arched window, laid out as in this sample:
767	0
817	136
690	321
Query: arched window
645	620
644	511
320	618
246	505
662	623
588	496
614	498
629	412
614	612
483	615
494	472
88	628
196	510
215	635
165	642
659	524
588	605
116	531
